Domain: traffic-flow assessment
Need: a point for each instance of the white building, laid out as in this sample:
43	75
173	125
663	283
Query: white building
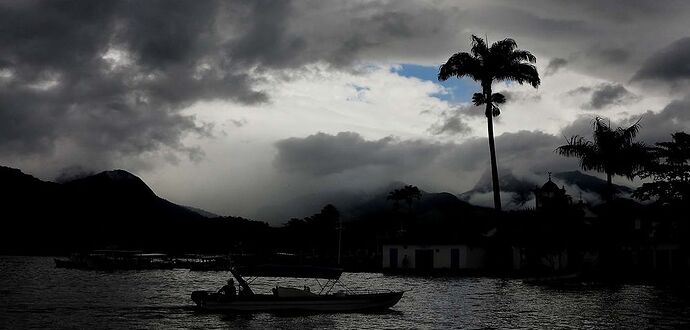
433	257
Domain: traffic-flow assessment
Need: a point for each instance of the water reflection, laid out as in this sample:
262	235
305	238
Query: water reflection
34	294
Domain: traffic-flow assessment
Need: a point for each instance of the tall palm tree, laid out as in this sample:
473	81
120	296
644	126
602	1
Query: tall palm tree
502	61
612	151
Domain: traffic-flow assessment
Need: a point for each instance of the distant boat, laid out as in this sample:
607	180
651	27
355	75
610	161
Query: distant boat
210	263
295	299
116	260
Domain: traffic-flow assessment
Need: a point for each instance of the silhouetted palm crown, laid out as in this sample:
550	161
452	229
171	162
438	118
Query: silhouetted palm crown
407	194
612	151
500	62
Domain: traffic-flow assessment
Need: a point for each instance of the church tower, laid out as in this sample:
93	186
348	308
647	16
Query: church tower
549	197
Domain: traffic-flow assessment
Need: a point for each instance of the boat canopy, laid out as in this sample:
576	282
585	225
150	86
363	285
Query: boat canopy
298	271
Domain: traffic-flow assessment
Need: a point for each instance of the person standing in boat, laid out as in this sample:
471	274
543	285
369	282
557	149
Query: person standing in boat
229	289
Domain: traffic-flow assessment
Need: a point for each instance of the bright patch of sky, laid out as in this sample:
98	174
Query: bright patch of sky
457	90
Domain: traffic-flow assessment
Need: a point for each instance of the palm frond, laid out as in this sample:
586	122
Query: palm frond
612	151
522	56
582	149
479	48
602	133
461	65
601	124
632	159
576	146
628	134
505	46
520	73
498	98
478	99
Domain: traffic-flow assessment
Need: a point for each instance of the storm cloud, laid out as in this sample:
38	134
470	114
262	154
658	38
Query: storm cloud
95	85
452	122
669	65
110	79
321	154
658	126
347	163
555	65
105	80
654	126
604	95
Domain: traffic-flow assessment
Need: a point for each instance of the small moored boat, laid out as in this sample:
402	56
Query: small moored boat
295	299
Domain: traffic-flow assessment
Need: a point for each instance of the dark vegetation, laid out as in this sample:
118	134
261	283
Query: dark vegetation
632	239
669	168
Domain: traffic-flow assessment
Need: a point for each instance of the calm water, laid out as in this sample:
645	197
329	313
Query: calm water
34	294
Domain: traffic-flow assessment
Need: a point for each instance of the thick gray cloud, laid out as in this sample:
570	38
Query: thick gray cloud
658	127
96	83
346	162
452	122
519	97
555	65
627	32
604	95
107	79
670	64
654	126
582	126
324	154
610	94
101	82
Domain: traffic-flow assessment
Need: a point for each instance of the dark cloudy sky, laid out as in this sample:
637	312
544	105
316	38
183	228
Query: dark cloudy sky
236	106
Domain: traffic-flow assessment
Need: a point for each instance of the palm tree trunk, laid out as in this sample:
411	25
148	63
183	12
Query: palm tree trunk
492	150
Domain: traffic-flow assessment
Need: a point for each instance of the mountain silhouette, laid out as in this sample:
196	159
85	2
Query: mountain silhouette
523	187
202	212
434	217
122	195
116	209
357	204
109	209
430	205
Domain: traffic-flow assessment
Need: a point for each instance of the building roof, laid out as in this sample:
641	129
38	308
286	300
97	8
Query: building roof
549	186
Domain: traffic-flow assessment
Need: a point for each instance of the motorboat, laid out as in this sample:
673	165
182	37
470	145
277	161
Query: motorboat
295	299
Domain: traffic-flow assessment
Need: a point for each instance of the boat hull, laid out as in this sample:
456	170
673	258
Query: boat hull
318	303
